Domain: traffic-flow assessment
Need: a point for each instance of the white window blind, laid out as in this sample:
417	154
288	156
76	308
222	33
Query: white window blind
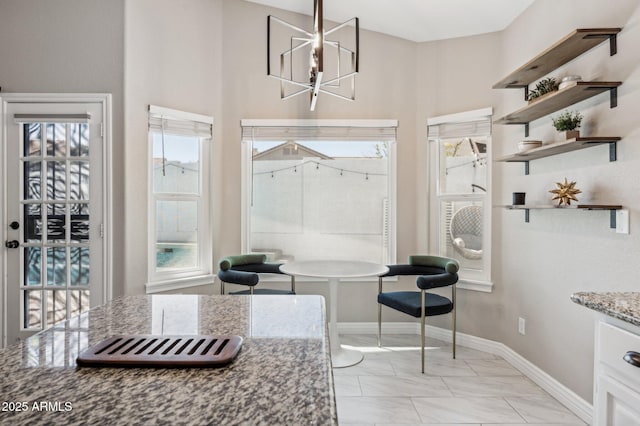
311	130
51	118
461	129
179	123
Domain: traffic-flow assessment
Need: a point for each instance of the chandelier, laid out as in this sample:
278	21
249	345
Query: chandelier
315	62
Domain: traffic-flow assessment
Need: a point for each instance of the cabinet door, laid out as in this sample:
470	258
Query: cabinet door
616	404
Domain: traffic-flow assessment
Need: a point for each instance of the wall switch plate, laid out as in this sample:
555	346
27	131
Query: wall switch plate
521	324
622	221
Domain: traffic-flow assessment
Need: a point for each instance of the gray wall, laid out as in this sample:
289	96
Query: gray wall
70	46
172	59
538	265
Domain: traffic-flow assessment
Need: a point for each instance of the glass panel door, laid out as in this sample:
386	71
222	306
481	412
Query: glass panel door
55	282
54	207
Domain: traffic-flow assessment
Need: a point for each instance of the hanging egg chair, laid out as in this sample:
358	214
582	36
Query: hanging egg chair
465	232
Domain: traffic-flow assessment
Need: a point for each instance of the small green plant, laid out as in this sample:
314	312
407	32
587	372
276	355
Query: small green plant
543	87
567	121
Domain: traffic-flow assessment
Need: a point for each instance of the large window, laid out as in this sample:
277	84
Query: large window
179	231
460	202
319	190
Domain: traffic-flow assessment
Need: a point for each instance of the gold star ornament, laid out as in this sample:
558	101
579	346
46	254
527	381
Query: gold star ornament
565	192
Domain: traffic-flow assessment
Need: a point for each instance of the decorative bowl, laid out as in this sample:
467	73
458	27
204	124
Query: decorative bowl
528	145
568	81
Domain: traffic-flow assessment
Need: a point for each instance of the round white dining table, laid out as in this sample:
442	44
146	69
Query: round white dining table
334	271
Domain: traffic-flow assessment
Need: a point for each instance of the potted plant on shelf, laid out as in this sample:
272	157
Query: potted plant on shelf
568	122
543	87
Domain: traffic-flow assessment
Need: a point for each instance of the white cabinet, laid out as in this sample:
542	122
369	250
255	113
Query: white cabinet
617	382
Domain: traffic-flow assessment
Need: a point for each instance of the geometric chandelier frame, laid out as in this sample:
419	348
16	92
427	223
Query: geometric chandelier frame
314	45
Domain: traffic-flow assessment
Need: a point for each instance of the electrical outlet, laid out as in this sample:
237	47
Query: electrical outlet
521	325
622	221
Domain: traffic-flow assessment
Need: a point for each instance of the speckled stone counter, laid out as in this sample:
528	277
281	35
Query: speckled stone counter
282	375
623	306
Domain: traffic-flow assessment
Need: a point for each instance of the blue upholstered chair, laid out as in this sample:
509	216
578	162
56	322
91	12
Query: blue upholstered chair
432	272
244	269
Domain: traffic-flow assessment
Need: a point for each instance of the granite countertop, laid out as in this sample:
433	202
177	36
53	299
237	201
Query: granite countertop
624	306
282	374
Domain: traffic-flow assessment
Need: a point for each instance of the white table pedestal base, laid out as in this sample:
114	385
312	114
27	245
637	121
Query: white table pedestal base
340	357
334	270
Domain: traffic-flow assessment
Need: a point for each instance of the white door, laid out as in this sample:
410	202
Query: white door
54	187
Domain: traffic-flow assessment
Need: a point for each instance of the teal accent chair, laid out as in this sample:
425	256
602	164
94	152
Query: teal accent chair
245	269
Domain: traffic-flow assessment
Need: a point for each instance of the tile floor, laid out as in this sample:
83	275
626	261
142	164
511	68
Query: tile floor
475	389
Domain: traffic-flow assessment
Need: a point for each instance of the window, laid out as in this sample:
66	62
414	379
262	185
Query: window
460	205
319	189
179	225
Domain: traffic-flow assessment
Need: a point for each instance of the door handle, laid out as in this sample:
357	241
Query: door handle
12	244
632	358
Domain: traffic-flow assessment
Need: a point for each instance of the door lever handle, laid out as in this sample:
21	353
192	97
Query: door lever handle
12	244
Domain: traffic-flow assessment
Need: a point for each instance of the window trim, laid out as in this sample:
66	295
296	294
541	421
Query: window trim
469	280
185	277
246	170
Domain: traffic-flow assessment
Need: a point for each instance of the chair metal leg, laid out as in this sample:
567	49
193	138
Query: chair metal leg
251	290
221	287
379	313
453	313
293	284
422	319
379	324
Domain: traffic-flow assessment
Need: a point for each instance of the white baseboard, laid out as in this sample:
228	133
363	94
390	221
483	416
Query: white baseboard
563	394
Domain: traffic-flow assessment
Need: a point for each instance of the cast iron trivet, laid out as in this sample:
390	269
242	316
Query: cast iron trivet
162	351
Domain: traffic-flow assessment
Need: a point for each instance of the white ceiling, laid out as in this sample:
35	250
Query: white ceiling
416	20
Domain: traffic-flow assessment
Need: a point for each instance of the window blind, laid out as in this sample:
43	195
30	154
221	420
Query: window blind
51	118
374	130
462	129
179	123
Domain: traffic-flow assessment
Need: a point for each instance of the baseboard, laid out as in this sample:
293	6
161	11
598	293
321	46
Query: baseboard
563	394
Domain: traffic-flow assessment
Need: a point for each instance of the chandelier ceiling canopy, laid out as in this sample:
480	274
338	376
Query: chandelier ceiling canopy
317	61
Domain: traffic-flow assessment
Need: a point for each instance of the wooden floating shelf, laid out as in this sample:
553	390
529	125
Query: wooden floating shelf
559	148
572	207
578	91
610	207
568	48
